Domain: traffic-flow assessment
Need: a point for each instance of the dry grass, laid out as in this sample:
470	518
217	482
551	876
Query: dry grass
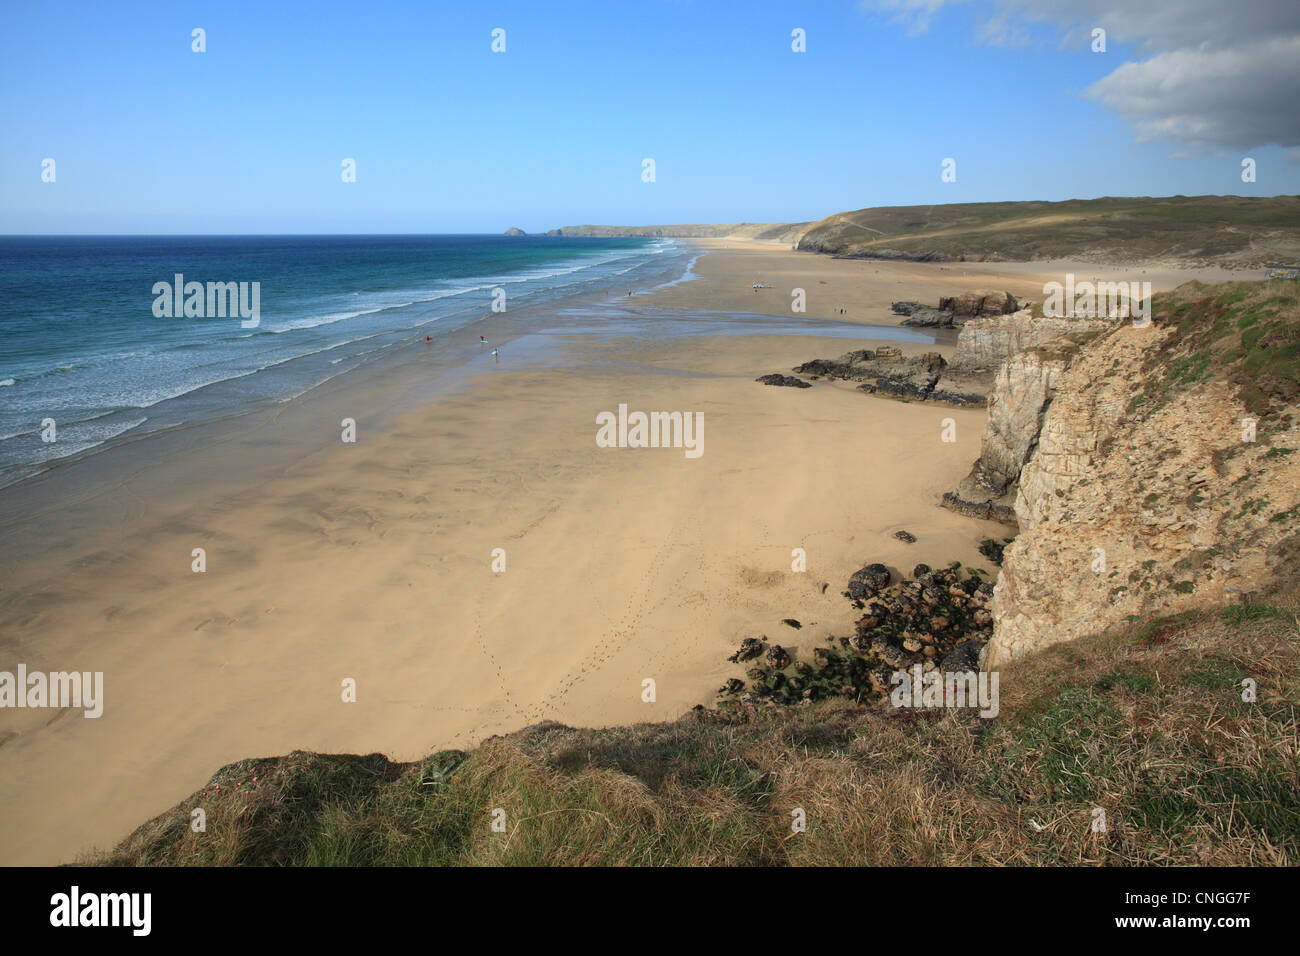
1147	725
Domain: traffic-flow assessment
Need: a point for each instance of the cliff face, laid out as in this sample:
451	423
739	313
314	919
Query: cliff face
1022	390
1144	494
986	342
1029	354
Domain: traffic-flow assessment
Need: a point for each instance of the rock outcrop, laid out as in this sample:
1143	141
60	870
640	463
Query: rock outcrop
979	302
985	342
922	316
886	371
938	621
788	381
1022	391
1148	493
515	231
955	311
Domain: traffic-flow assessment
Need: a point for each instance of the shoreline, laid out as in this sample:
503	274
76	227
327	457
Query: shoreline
272	375
373	561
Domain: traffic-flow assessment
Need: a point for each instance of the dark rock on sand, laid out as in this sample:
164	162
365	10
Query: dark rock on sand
750	648
980	302
867	582
906	536
984	510
939	619
887	372
791	622
789	381
953	311
922	316
778	657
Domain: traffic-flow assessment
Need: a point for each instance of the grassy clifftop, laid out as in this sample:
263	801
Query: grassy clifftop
1227	230
1147	724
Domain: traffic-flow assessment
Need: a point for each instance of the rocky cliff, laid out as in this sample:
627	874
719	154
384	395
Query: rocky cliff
888	373
1022	390
1165	474
987	341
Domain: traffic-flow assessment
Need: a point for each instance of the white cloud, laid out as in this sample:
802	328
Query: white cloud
1235	98
916	15
1217	74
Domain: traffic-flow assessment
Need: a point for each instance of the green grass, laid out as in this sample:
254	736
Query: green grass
1226	333
1227	229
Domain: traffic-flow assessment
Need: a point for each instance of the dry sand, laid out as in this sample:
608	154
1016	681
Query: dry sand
372	561
864	288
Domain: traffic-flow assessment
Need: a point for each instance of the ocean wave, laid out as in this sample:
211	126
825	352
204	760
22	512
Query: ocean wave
171	362
477	284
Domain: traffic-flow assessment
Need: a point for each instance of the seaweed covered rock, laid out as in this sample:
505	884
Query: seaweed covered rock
867	582
750	648
789	381
938	619
778	657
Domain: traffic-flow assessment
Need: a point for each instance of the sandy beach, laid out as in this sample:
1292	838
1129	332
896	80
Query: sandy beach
373	561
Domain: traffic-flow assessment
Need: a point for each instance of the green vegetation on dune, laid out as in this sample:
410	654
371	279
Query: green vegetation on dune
1229	230
1248	332
1148	725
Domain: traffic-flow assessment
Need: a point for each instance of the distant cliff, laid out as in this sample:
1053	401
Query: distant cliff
1197	230
771	232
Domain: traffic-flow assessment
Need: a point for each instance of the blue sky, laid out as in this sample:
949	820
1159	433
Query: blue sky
248	137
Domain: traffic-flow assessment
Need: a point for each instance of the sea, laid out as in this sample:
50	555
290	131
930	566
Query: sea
86	360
